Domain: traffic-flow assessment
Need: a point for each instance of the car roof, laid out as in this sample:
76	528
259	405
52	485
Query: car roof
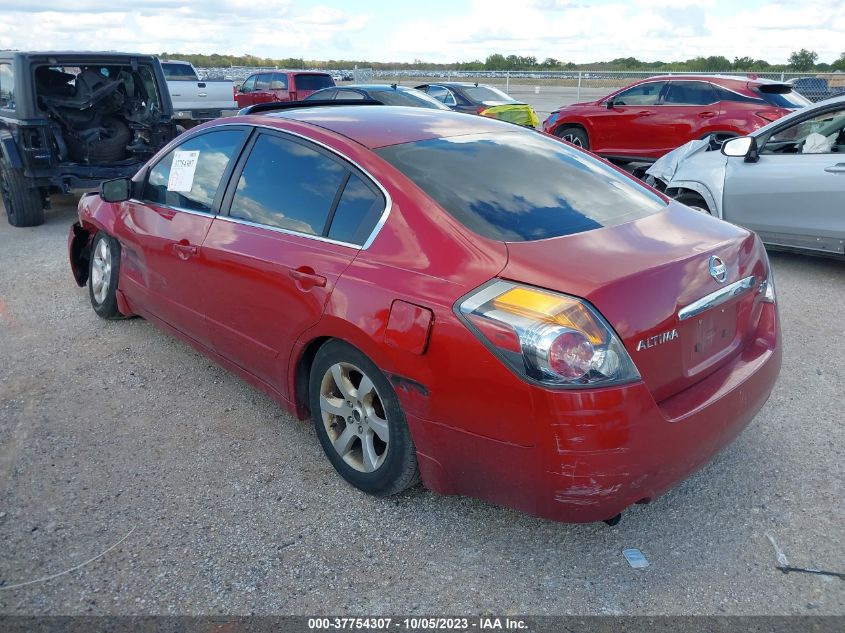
380	126
454	84
712	78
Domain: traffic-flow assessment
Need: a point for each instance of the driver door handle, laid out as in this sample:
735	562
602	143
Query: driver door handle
706	115
184	249
838	168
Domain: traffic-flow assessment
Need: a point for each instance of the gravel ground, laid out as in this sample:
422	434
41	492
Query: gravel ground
109	429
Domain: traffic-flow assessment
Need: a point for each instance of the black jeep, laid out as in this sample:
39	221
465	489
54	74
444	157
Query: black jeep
71	120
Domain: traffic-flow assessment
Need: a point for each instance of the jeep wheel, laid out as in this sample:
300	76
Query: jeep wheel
23	203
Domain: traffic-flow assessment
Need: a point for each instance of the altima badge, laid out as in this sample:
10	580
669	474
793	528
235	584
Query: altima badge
718	270
657	339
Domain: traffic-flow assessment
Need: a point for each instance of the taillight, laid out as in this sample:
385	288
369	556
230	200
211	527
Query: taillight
769	115
481	110
548	337
234	92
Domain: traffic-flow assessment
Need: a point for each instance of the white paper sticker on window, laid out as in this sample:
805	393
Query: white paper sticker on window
182	171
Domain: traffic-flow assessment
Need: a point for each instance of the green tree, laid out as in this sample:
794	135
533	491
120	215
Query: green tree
803	59
496	61
839	64
551	62
743	63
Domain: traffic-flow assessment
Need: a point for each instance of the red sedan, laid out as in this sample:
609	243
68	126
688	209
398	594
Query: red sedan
567	344
652	117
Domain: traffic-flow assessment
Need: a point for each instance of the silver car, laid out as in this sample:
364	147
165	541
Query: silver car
786	181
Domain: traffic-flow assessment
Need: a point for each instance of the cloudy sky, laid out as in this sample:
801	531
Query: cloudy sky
433	30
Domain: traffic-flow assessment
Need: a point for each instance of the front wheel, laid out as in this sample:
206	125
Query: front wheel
103	271
693	201
360	422
575	135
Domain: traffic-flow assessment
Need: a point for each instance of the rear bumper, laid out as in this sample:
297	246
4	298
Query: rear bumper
600	451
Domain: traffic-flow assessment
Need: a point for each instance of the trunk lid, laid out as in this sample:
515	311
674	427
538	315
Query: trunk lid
641	274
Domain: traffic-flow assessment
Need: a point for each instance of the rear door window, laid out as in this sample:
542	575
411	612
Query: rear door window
357	212
695	93
288	185
198	190
279	81
532	187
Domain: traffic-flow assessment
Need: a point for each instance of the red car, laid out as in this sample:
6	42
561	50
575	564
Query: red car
652	117
281	85
567	344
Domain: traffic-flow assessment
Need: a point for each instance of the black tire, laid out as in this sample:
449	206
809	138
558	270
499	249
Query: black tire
24	206
110	147
693	201
104	298
575	135
397	469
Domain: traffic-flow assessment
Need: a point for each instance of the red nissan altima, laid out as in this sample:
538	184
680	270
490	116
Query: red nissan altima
447	297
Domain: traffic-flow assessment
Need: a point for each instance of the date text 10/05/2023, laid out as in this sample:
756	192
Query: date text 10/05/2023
375	624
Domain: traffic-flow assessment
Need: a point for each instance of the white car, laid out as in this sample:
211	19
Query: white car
785	181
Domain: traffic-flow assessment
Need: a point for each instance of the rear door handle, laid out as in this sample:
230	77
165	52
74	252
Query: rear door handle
184	249
706	115
645	113
306	278
838	168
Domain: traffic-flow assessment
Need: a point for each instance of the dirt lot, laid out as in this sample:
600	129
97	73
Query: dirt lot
115	432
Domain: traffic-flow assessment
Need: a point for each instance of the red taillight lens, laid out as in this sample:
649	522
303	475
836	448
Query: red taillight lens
548	337
769	115
481	110
570	355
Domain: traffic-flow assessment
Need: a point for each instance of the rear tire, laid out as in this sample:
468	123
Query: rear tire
575	135
693	201
24	206
360	422
103	273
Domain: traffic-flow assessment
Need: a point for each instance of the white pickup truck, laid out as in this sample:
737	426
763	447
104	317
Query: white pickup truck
195	100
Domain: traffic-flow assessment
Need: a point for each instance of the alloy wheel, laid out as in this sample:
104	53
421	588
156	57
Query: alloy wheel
101	271
572	138
354	417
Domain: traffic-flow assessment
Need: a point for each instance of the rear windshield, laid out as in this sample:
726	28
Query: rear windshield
781	97
486	93
521	186
313	82
399	98
178	72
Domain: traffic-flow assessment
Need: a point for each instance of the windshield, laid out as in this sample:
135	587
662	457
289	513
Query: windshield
521	186
486	93
313	82
415	99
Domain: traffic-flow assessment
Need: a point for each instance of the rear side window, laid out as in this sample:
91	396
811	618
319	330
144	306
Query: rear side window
690	93
313	82
728	95
521	186
7	87
279	81
357	213
287	185
194	191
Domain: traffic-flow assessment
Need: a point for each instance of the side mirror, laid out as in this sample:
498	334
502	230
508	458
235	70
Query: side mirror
610	104
117	190
745	146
